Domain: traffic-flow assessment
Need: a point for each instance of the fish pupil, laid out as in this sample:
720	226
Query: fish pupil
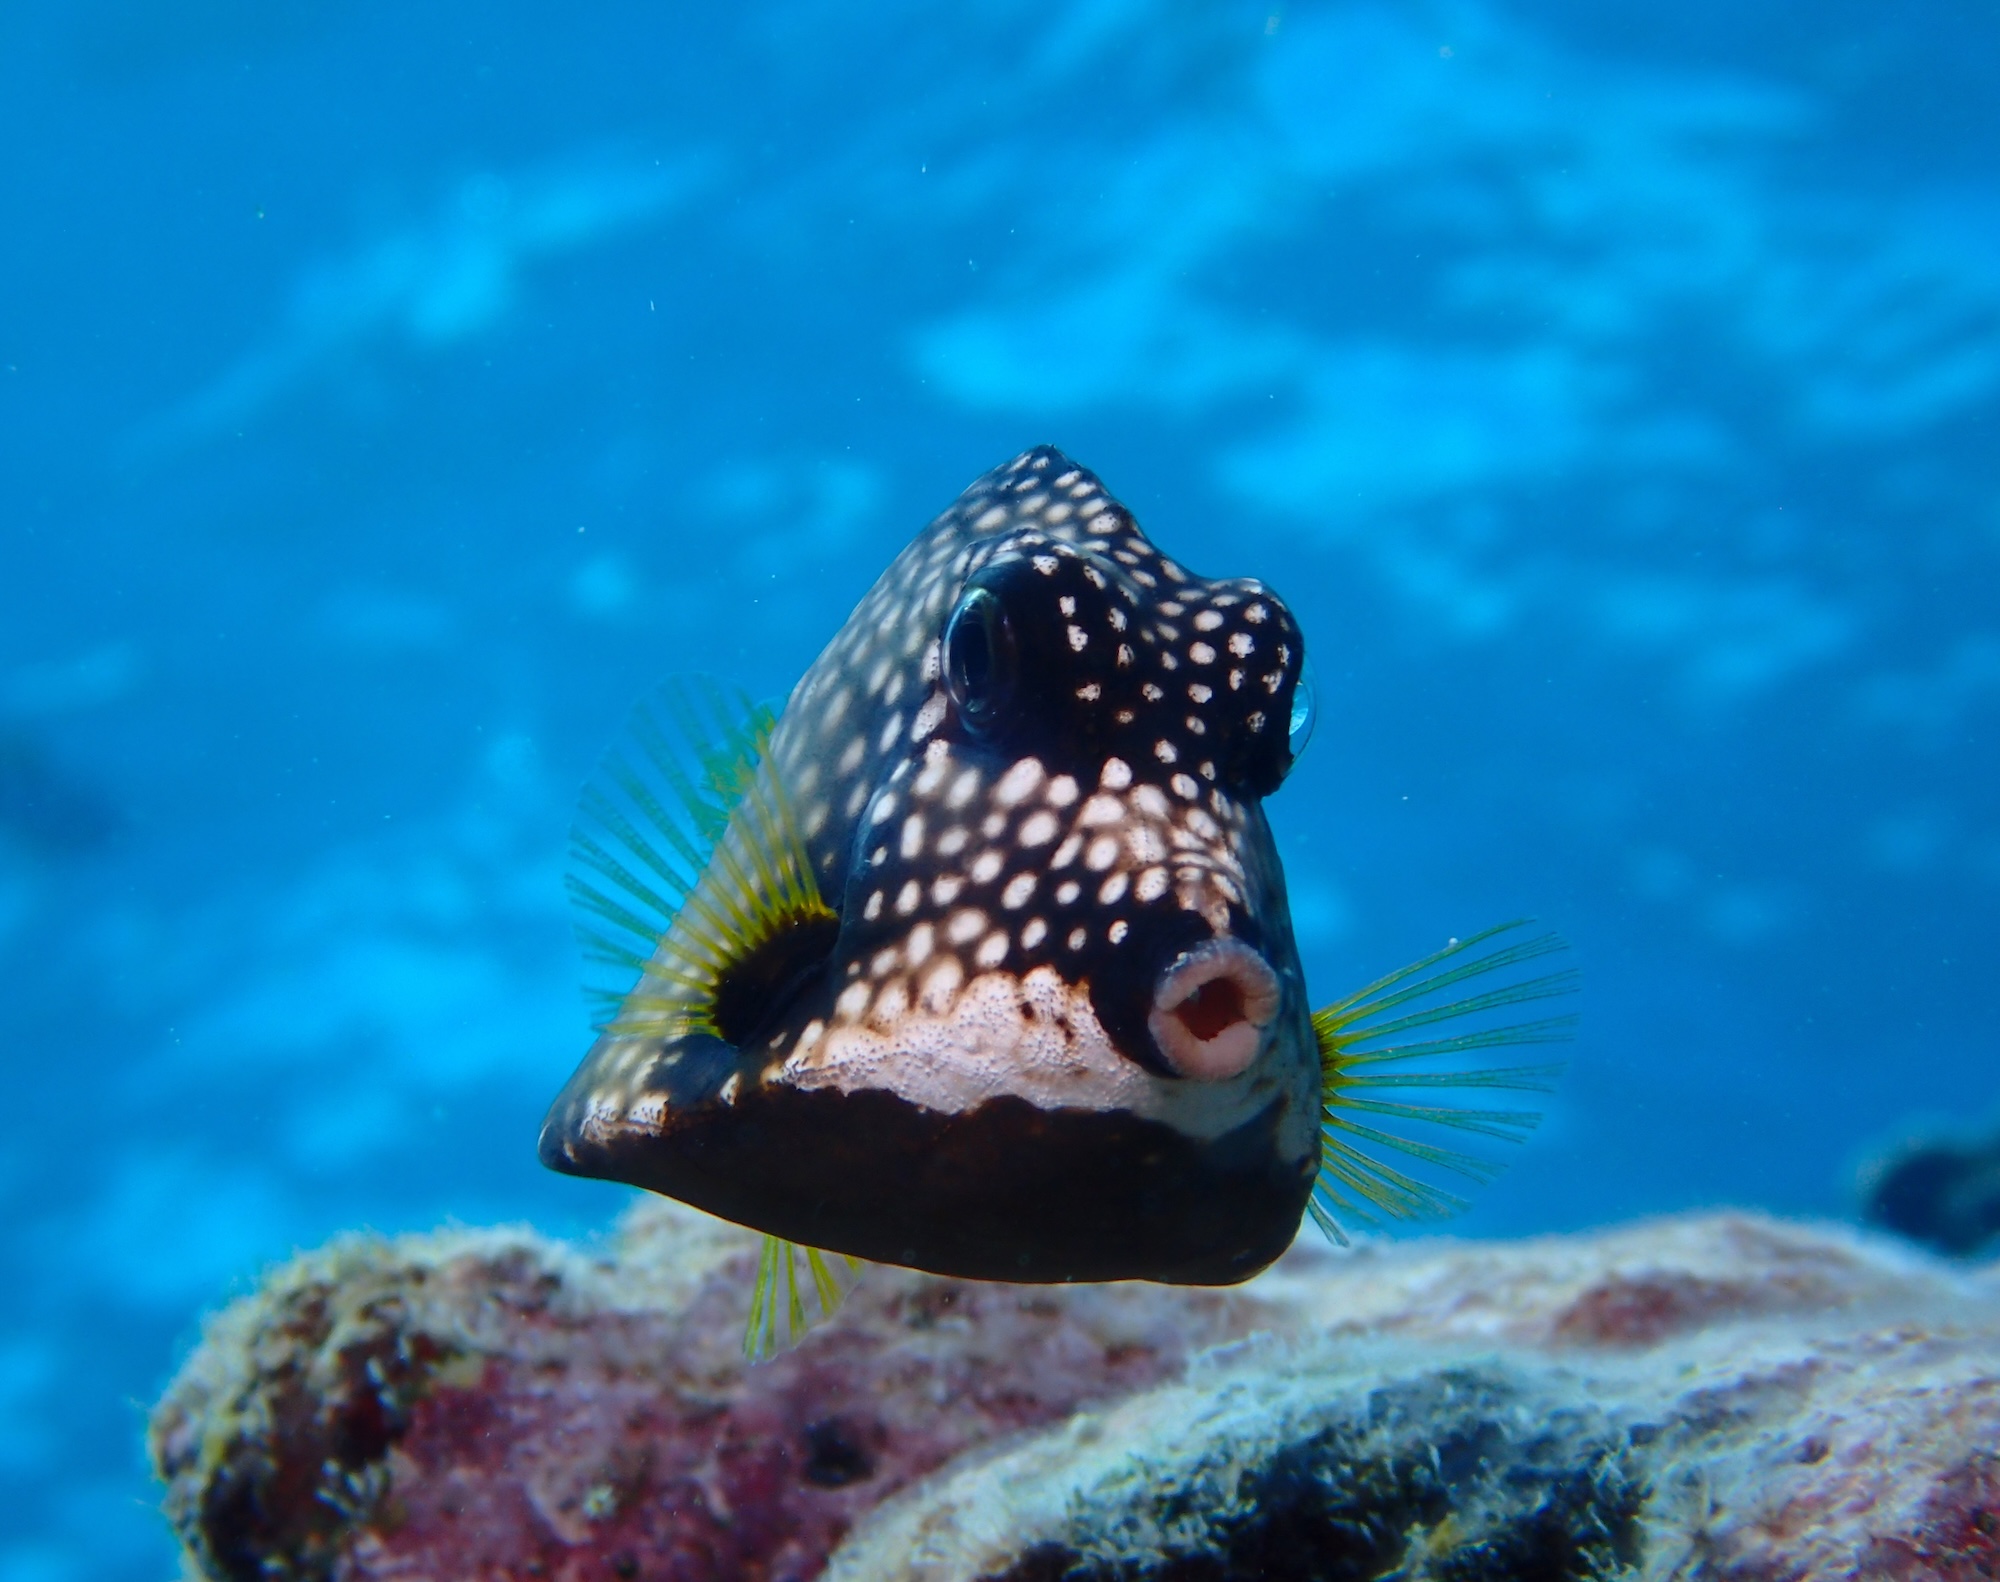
979	658
1216	1005
749	993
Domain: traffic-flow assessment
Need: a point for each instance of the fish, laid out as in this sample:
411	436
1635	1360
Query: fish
976	957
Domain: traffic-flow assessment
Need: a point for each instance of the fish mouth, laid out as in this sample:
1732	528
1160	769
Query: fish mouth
1210	1009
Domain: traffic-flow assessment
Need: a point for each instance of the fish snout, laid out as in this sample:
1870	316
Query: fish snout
1210	1009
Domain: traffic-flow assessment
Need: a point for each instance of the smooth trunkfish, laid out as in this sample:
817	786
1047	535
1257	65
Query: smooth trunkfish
976	958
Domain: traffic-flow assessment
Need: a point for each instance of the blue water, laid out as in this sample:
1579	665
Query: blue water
390	394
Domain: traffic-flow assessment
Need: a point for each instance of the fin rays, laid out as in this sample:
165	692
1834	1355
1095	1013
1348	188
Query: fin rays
685	860
1356	1186
830	1275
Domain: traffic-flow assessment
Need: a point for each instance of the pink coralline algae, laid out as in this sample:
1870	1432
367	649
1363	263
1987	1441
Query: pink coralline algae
495	1405
1715	1397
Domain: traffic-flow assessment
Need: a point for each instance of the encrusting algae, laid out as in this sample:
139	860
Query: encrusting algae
1718	1395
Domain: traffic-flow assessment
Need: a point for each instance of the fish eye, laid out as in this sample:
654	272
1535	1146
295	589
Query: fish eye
1305	710
979	660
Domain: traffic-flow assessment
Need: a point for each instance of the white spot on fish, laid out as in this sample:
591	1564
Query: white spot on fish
965	926
1100	810
1019	782
929	717
941	984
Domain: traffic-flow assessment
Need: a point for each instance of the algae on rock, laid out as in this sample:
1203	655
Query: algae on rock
1326	1461
1719	1397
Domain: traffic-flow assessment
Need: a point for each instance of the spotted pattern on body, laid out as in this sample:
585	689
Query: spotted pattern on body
1028	774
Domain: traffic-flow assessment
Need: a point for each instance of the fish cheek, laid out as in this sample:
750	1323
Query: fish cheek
1122	978
691	1072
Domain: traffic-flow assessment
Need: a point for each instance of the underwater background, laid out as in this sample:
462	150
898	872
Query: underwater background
390	395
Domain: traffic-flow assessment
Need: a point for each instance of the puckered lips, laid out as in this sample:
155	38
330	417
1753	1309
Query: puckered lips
1210	1009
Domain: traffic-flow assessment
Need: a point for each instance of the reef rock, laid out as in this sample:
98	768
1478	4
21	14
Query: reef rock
1721	1396
496	1405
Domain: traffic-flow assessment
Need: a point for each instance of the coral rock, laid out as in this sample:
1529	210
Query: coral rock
495	1405
1723	1397
1720	1396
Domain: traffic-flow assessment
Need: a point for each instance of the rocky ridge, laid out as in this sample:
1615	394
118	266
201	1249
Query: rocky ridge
1713	1396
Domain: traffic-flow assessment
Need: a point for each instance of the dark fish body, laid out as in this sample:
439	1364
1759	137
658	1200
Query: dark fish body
1026	1004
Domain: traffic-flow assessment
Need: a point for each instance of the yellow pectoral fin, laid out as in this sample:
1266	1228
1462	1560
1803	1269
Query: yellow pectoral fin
1364	1048
686	864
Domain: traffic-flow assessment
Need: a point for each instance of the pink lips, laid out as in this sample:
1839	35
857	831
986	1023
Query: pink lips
1210	1010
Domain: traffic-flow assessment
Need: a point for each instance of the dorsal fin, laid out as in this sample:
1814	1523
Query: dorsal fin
685	865
1360	1056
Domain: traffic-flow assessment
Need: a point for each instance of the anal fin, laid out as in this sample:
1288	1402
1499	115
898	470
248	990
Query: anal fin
779	1313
